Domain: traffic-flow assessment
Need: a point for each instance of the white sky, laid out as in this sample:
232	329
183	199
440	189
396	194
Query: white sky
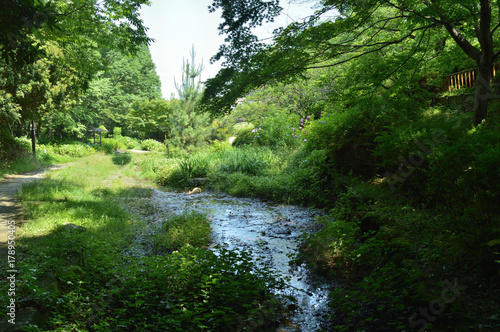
177	25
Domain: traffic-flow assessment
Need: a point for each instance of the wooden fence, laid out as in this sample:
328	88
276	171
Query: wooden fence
464	79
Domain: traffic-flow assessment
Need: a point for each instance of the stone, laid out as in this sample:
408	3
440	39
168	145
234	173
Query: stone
195	191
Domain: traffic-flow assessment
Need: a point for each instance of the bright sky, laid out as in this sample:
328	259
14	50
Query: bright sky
177	25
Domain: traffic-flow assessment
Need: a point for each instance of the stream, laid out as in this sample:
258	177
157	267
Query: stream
270	231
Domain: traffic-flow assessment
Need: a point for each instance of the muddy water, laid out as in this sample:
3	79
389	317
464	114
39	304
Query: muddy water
269	231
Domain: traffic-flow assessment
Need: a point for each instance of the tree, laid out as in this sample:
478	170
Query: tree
126	80
356	29
78	29
113	22
189	127
19	19
37	89
151	117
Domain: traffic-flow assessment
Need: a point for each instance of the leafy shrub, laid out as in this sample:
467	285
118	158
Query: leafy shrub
381	299
218	145
281	130
190	228
117	132
419	154
23	143
152	145
72	150
349	139
111	144
315	178
244	137
14	147
242	126
176	152
173	176
196	289
471	164
129	142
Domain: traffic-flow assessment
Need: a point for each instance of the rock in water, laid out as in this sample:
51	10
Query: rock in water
195	191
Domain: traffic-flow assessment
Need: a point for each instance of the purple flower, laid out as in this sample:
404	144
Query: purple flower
254	130
300	127
305	140
294	129
308	117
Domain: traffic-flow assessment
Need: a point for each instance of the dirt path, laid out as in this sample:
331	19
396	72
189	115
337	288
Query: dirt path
9	209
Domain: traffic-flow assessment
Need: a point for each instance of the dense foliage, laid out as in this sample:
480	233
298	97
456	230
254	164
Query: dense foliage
347	113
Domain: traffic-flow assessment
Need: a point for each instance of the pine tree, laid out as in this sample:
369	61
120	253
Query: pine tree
189	127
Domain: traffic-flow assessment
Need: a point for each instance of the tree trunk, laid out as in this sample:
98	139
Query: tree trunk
33	139
482	91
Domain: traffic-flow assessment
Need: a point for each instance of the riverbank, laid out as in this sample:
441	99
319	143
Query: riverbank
75	270
394	248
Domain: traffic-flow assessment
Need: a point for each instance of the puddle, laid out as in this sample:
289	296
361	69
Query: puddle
270	231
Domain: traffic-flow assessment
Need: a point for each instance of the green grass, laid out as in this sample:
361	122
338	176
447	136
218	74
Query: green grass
46	155
74	267
191	228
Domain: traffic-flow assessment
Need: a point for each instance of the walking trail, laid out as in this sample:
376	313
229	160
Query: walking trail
9	209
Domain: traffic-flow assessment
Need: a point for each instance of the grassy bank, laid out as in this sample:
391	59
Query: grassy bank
20	159
412	223
76	269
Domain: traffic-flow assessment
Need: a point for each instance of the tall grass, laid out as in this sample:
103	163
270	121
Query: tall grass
176	172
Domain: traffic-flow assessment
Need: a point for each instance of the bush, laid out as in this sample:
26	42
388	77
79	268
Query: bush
349	139
196	289
242	126
280	131
419	154
315	178
152	145
72	150
129	142
111	144
244	137
14	148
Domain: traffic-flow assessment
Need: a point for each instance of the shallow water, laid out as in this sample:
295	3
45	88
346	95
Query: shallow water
270	231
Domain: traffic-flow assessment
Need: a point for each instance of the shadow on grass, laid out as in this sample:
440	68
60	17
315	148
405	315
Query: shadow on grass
80	264
122	158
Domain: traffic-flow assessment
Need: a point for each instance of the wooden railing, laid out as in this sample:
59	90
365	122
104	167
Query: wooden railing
464	79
